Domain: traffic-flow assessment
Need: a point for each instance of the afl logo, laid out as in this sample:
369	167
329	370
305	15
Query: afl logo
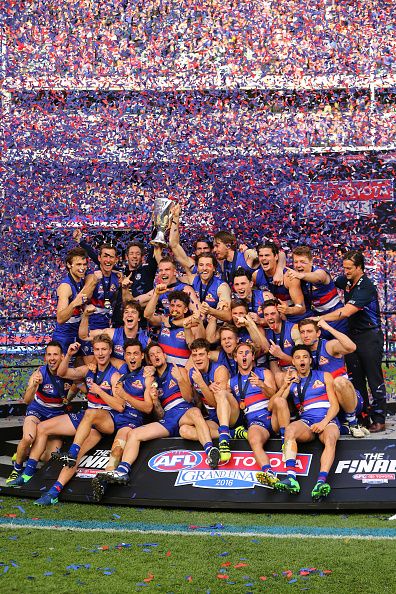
174	460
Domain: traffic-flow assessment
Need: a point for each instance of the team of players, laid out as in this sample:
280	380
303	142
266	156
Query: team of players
232	349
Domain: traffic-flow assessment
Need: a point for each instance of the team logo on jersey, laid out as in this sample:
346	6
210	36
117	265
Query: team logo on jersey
172	384
323	361
137	384
48	388
317	384
239	473
165	332
113	288
180	335
118	350
287	344
105	385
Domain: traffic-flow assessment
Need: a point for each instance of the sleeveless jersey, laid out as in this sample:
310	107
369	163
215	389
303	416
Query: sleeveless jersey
279	292
207	292
135	384
119	339
103	379
251	396
315	400
52	390
228	269
322	298
105	293
169	392
323	361
228	362
283	339
173	342
163	301
208	377
69	329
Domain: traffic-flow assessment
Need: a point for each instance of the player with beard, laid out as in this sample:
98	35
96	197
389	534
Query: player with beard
172	403
214	295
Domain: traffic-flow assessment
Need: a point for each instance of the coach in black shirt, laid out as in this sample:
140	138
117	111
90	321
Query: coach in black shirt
364	322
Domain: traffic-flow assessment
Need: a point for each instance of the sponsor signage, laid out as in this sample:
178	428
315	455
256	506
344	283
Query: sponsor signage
367	468
356	190
191	468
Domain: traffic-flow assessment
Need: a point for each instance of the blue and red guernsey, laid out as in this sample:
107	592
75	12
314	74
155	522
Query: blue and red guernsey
280	292
172	340
207	293
315	400
105	291
208	377
134	383
169	391
322	298
163	300
52	390
323	361
119	338
70	327
283	339
103	379
253	397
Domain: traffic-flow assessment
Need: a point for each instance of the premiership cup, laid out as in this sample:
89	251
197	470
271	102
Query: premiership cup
161	217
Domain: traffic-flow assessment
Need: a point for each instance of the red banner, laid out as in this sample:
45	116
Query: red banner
365	190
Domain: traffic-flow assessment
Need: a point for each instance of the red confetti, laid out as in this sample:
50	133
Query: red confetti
222	576
149	578
263	578
240	565
226	564
168	553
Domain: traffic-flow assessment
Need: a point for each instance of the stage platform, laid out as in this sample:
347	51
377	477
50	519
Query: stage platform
174	473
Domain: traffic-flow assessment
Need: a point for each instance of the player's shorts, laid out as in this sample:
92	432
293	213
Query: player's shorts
261	418
126	419
211	415
172	418
76	418
311	419
43	413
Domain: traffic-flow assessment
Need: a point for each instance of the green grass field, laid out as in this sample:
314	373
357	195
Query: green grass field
118	560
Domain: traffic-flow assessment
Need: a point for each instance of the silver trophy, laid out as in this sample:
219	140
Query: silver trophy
161	218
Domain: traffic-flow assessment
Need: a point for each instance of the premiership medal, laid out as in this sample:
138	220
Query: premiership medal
242	405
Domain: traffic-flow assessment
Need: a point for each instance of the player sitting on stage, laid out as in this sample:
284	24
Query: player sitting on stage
313	394
172	401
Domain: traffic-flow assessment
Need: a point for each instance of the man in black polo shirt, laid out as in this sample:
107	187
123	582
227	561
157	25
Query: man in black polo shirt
364	328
